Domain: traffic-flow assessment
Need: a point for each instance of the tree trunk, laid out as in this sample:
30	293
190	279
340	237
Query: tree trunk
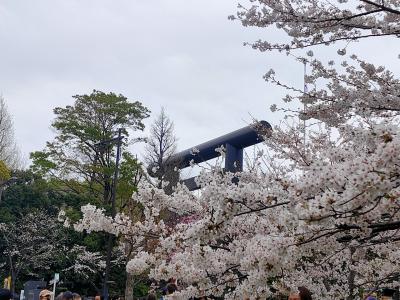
129	286
351	276
1	191
13	279
351	285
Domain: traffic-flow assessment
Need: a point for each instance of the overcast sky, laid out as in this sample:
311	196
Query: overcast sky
184	55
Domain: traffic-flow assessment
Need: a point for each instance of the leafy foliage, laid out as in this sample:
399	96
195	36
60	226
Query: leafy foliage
5	173
76	152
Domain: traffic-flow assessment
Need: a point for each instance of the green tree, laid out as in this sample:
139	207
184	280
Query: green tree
75	154
79	159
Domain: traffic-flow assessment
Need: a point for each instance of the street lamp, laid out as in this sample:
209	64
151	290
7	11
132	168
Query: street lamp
102	145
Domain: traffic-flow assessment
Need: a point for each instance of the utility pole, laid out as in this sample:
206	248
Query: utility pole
110	242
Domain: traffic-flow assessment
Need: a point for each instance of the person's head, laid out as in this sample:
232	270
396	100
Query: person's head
304	293
5	294
172	280
151	296
59	296
294	296
171	288
388	293
45	295
77	296
67	296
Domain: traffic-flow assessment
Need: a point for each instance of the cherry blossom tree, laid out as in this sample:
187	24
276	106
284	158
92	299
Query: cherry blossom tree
325	213
31	244
85	263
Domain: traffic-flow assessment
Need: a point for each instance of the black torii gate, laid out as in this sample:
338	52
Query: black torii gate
233	142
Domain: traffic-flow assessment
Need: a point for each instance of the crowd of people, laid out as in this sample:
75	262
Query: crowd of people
46	295
171	287
302	294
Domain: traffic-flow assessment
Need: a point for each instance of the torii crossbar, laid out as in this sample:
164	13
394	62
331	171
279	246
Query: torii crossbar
233	142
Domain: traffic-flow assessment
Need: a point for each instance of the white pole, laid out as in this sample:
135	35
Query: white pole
54	290
55	280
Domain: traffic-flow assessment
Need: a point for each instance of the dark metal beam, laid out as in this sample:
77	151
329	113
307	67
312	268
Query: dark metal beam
239	139
233	142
